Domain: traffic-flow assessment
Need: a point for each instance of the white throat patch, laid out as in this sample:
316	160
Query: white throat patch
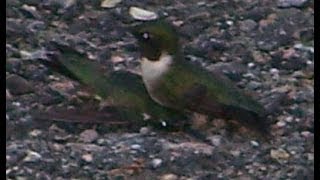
152	70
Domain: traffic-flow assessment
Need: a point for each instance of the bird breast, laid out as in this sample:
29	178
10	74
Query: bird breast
152	71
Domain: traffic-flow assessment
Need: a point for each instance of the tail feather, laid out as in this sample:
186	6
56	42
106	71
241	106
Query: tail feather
257	122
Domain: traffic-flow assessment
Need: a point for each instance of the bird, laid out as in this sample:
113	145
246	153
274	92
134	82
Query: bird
123	93
174	82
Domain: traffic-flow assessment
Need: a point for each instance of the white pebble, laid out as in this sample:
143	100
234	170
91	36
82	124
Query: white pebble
142	14
135	146
32	157
251	65
281	123
274	71
156	162
289	119
87	157
230	23
254	143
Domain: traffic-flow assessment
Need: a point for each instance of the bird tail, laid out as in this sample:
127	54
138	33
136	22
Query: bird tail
257	122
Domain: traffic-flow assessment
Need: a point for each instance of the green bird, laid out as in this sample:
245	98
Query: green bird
123	92
174	82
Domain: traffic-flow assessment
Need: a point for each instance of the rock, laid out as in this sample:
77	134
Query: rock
18	85
310	156
36	26
251	65
89	136
260	57
267	45
279	154
58	134
215	140
61	87
235	153
248	25
117	59
281	124
306	134
145	130
307	35
253	85
109	3
8	95
233	70
32	157
288	61
274	71
257	13
35	133
169	177
135	146
254	143
30	11
304	48
155	163
87	158
141	14
291	3
64	4
35	55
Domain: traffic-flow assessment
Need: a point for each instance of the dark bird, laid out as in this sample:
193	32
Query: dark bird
174	82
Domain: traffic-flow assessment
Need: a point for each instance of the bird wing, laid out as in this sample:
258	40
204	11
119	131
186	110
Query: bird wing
216	90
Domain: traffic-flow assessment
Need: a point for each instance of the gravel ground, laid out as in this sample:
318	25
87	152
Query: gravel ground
264	46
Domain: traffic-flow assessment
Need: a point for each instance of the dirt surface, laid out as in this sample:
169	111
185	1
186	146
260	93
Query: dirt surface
264	46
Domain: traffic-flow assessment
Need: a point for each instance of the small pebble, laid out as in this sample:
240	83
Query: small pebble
279	154
142	14
32	156
156	163
248	25
88	136
18	85
304	48
169	177
310	157
135	146
216	140
291	3
230	23
87	157
201	3
309	62
109	3
254	143
306	134
251	65
235	153
289	119
117	59
8	95
281	123
254	85
17	104
274	71
35	133
144	130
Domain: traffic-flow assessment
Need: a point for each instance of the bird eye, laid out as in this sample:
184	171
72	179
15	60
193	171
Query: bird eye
146	35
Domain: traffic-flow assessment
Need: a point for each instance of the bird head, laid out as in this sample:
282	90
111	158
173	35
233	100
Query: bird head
156	37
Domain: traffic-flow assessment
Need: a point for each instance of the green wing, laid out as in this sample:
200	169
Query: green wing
124	90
